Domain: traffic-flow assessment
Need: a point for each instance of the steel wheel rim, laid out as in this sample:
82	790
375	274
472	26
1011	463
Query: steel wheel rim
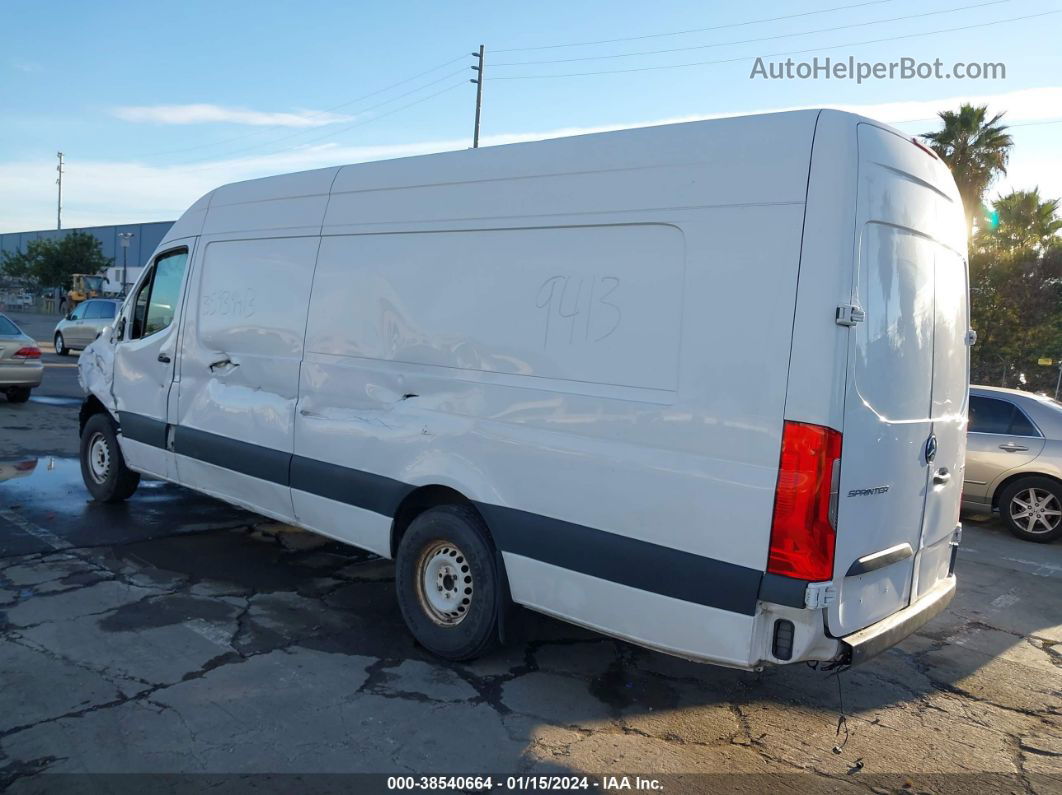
444	583
1035	510
99	457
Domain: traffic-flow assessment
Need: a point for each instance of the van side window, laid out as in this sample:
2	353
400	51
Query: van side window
140	306
165	291
156	302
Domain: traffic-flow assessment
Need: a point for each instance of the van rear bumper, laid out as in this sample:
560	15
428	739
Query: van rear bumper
868	642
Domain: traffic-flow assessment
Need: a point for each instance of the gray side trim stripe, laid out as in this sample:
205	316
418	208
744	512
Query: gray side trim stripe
250	459
629	561
783	590
143	429
598	553
352	486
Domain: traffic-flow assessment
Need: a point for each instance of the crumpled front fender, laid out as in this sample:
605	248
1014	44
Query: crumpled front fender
95	371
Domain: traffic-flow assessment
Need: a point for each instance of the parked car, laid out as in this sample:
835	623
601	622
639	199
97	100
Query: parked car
1014	461
603	377
84	324
20	362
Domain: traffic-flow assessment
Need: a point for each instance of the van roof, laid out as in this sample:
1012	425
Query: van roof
769	150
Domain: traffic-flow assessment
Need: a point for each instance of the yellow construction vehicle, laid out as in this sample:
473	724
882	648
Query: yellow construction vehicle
84	286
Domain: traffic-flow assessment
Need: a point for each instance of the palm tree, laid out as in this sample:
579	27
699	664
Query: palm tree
976	150
1025	221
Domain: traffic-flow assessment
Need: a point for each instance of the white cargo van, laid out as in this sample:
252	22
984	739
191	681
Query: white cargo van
700	386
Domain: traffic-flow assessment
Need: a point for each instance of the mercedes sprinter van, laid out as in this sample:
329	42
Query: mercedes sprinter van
700	386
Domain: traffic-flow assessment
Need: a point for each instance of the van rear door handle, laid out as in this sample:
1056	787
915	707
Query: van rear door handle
1010	447
941	476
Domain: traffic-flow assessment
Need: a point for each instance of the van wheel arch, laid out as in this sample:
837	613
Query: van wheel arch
89	406
420	500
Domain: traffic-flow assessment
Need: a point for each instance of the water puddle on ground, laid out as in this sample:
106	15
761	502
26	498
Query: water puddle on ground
45	498
47	478
55	400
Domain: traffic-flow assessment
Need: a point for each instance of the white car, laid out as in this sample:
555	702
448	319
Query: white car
699	386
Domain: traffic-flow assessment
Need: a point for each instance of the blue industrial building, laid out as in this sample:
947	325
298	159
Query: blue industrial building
142	244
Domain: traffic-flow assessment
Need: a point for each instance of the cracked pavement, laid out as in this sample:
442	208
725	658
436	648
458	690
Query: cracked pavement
174	634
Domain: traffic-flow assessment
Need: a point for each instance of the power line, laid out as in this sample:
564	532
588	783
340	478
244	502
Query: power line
317	113
697	30
335	132
352	126
759	39
777	54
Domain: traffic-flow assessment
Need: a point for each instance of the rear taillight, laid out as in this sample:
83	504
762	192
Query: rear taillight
28	352
802	534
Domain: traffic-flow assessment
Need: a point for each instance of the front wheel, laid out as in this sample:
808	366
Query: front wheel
447	582
1032	509
103	468
60	345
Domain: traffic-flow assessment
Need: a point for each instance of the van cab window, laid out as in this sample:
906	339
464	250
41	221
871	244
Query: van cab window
140	306
156	301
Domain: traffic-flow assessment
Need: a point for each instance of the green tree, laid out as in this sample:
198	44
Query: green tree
50	263
1016	293
975	148
1025	220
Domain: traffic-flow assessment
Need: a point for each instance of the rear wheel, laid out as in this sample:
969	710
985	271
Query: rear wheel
60	345
1032	509
447	582
18	394
103	468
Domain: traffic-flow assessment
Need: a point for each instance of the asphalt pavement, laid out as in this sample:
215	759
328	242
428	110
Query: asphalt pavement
174	634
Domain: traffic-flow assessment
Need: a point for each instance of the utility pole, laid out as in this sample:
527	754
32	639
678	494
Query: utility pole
59	182
125	237
479	93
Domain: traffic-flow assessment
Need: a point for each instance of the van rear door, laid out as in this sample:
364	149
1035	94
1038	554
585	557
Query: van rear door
905	402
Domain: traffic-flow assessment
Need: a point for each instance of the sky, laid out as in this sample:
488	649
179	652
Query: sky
154	104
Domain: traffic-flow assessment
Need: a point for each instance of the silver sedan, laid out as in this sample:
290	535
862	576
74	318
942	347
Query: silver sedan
79	328
1014	460
20	362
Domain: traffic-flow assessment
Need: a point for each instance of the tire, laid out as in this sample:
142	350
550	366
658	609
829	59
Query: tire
60	345
449	548
18	394
1032	509
103	468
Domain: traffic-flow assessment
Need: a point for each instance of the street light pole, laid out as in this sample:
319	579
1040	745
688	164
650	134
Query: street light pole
125	237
